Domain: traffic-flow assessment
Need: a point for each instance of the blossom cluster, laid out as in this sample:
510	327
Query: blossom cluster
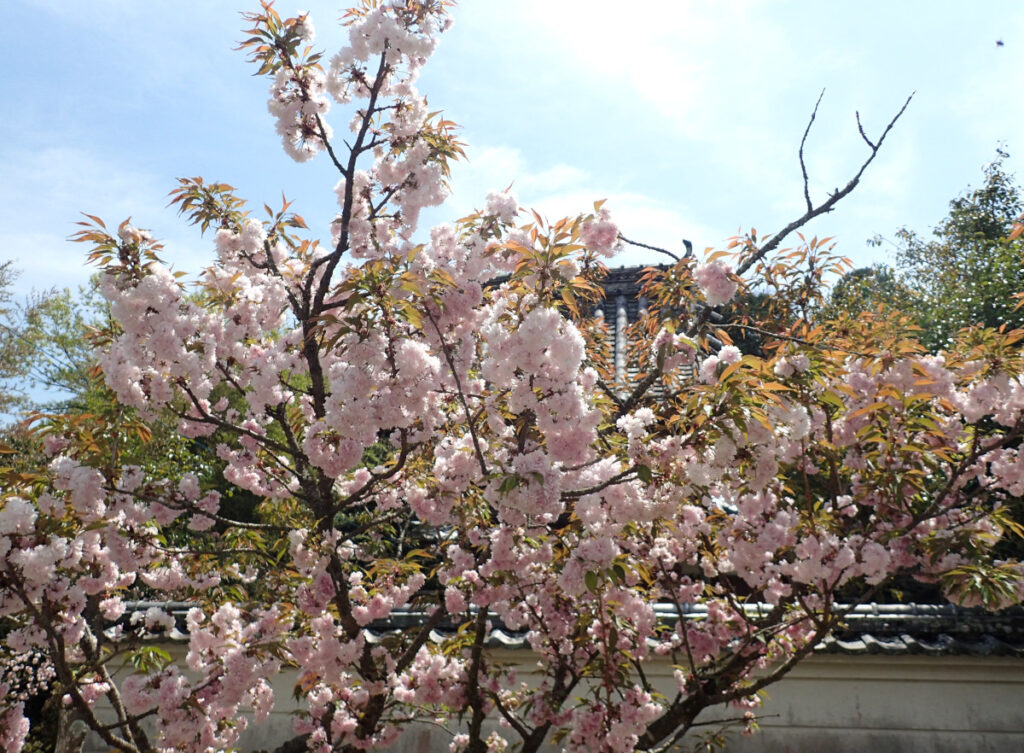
716	282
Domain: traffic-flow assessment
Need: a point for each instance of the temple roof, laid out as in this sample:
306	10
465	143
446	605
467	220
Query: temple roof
888	629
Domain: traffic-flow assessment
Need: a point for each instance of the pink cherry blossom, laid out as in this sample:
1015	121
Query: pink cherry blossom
715	281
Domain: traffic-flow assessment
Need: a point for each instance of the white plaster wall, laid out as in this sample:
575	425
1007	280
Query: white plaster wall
830	703
894	704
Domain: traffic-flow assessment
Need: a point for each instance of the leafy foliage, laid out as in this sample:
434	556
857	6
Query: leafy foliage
969	273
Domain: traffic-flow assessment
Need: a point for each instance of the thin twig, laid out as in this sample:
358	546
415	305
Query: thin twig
861	129
791	338
461	395
660	250
618	478
803	166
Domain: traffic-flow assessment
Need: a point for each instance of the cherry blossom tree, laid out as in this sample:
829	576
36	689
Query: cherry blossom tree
439	443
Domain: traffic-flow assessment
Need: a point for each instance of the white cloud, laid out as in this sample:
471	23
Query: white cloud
495	168
703	70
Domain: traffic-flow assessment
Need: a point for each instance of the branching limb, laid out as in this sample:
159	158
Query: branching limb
407	657
58	652
618	478
610	393
789	338
471	424
826	206
191	507
349	172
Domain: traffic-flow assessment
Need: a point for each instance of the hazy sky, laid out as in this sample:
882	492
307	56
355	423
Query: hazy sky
686	116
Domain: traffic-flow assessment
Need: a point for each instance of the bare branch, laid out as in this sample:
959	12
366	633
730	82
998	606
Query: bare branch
826	206
326	141
860	128
803	166
660	250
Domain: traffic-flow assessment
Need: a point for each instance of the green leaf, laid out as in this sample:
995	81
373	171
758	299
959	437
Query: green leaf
618	573
509	483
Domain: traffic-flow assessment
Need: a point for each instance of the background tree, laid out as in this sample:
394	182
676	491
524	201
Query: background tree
864	290
43	346
968	273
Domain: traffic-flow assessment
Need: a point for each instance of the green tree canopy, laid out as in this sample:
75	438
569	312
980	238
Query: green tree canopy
969	271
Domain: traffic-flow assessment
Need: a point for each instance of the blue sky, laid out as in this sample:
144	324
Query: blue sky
685	116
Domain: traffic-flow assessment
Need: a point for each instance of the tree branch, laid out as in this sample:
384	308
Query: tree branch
803	166
660	250
828	204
